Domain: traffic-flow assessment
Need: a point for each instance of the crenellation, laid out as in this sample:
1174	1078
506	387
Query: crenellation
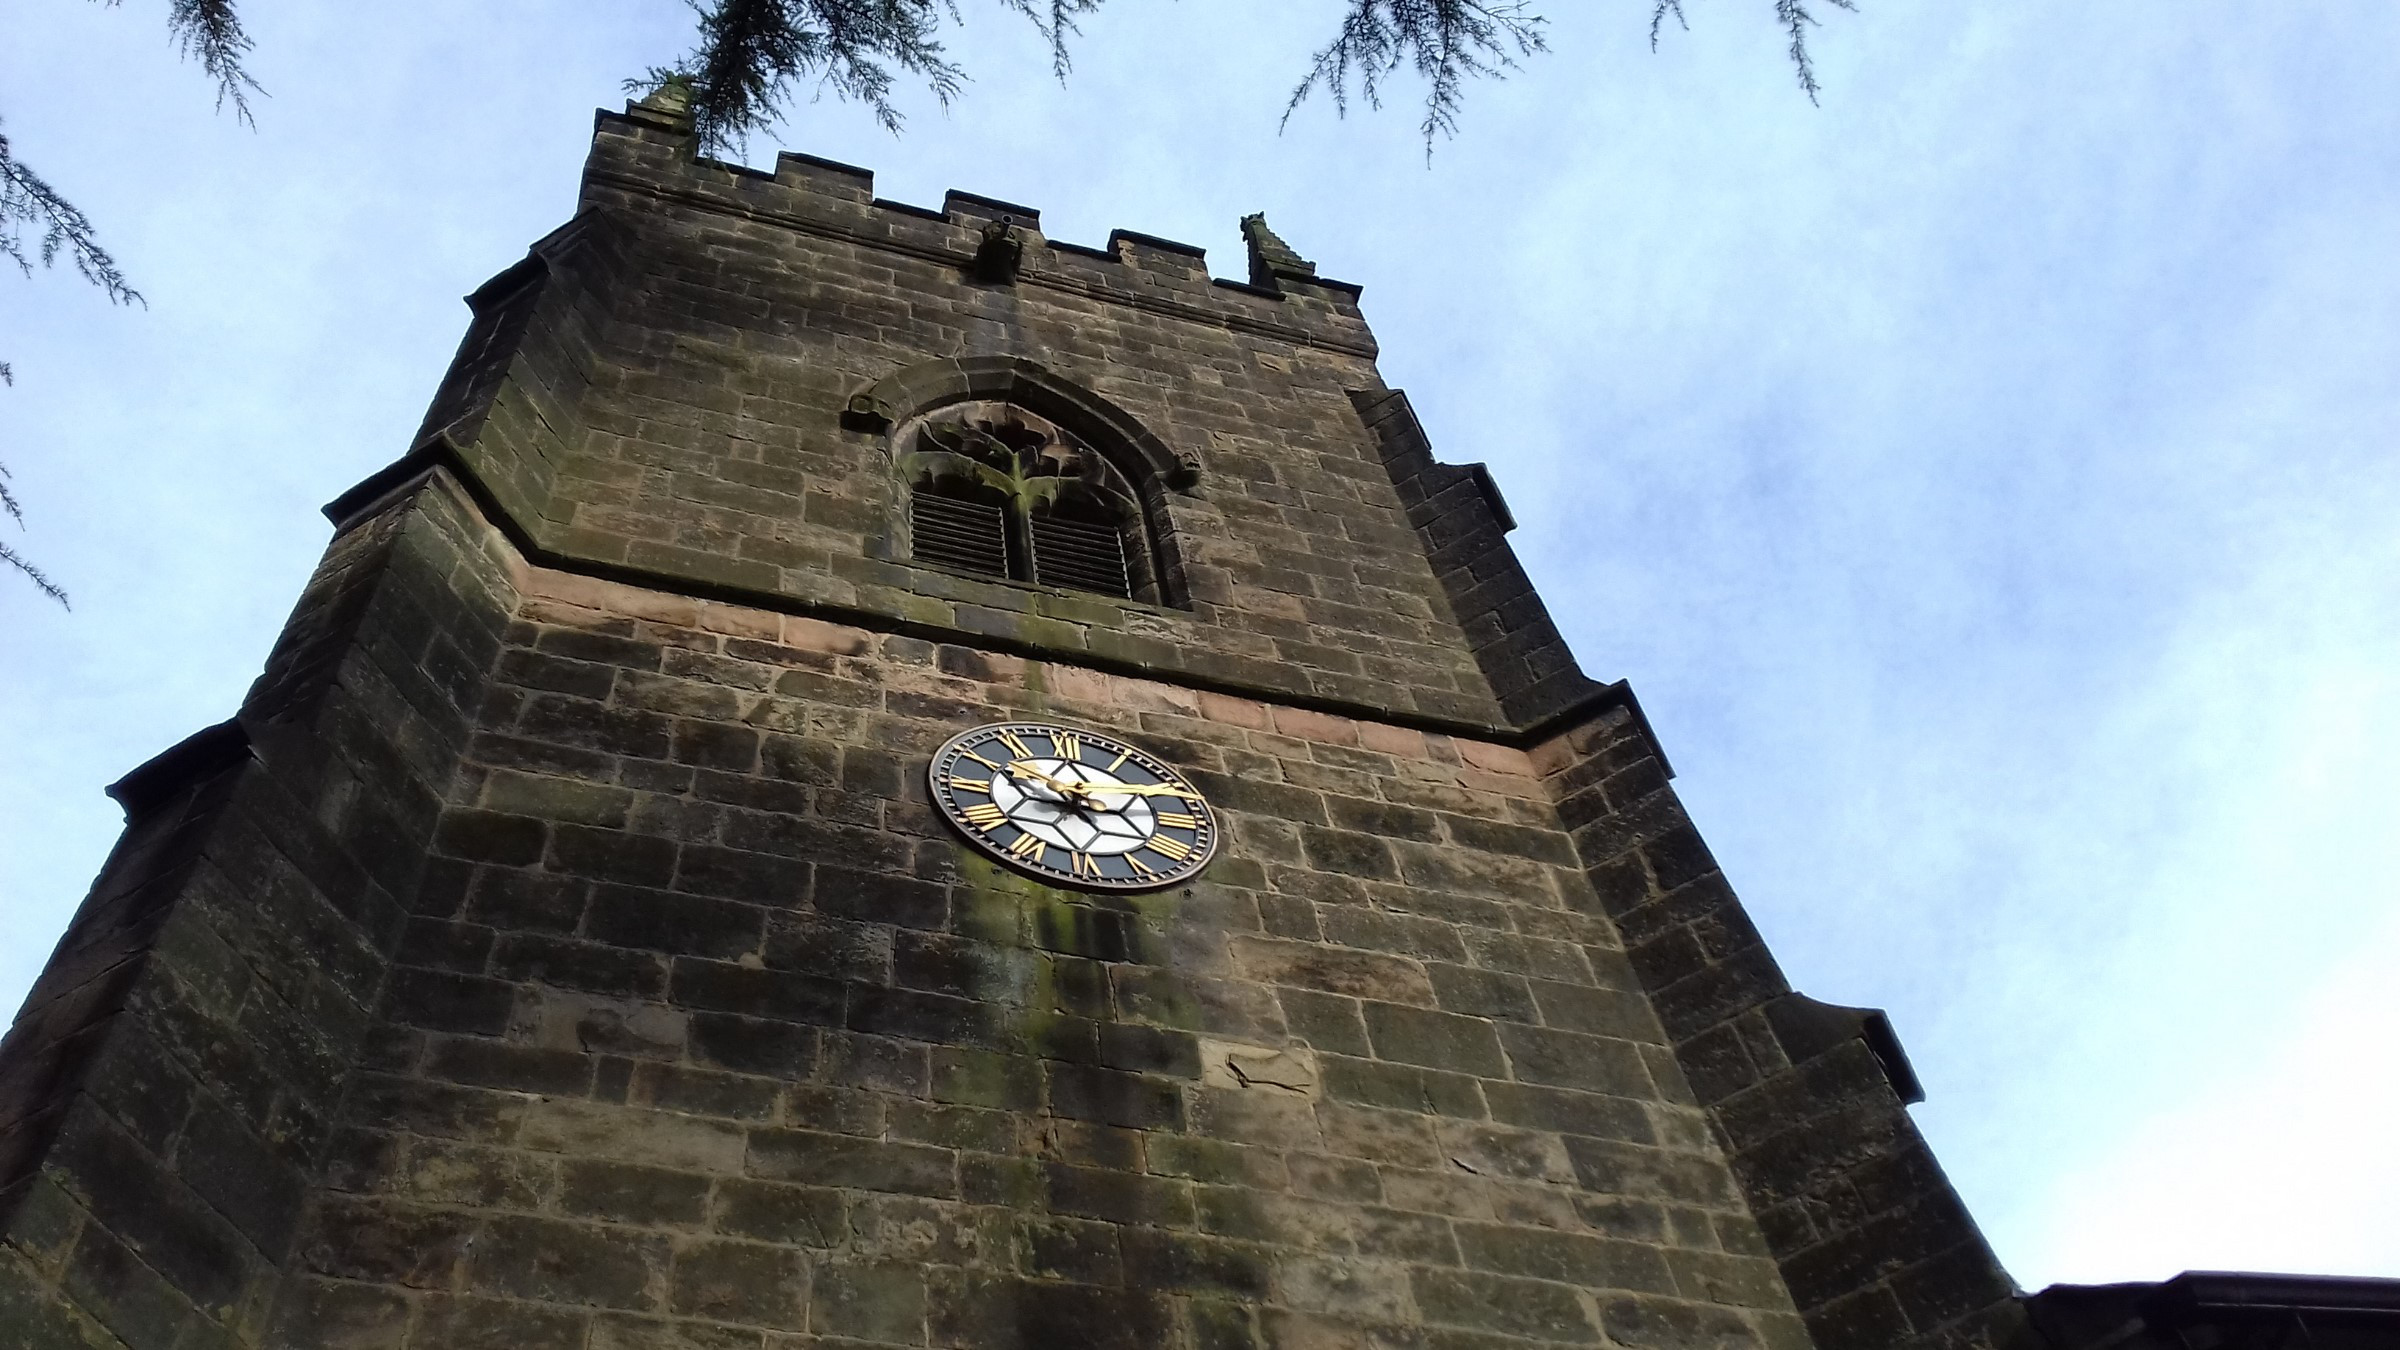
823	196
967	207
827	177
1148	251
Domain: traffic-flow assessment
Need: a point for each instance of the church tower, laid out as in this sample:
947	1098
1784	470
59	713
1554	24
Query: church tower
876	779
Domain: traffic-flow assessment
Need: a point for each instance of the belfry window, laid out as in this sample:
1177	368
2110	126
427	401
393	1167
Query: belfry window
996	491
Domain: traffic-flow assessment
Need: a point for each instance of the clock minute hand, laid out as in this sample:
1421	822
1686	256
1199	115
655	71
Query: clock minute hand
1087	790
1139	789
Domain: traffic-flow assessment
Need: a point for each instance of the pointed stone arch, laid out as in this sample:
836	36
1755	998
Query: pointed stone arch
1153	471
1036	388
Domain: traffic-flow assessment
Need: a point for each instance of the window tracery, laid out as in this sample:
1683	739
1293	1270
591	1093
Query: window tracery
998	491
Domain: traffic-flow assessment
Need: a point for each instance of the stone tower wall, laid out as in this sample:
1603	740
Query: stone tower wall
560	949
697	436
706	1029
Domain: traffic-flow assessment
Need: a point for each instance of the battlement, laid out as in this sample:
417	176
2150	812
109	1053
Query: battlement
648	153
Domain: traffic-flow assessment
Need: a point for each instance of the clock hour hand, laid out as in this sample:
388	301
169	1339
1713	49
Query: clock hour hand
1075	796
1020	769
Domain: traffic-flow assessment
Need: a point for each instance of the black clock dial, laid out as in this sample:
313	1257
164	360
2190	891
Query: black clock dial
1073	807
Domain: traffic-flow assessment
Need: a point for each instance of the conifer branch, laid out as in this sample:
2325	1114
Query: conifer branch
1446	41
1055	20
1796	21
36	224
1658	19
30	207
211	33
752	51
10	557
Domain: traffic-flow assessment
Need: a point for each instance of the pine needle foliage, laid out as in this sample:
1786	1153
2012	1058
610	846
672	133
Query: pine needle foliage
39	225
1790	15
36	223
11	558
1796	21
211	33
1446	42
754	55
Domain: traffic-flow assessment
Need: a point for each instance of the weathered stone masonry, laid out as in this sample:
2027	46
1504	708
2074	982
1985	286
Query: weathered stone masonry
559	950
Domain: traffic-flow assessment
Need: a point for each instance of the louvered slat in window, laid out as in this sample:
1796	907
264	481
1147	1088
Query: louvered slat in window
1081	555
968	536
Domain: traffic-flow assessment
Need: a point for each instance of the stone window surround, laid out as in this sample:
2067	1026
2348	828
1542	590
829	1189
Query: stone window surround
902	401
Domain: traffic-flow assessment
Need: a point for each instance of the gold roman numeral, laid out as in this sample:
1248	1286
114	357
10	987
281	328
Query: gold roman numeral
1140	868
1119	761
984	815
1068	744
982	761
1085	864
1179	820
1015	746
1027	847
1173	850
970	785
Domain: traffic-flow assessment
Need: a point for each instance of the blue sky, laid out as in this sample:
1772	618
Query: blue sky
1985	478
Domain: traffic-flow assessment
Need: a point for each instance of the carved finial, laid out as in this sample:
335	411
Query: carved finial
1271	259
1001	252
669	105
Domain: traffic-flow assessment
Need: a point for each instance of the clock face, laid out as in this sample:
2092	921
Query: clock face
1073	807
